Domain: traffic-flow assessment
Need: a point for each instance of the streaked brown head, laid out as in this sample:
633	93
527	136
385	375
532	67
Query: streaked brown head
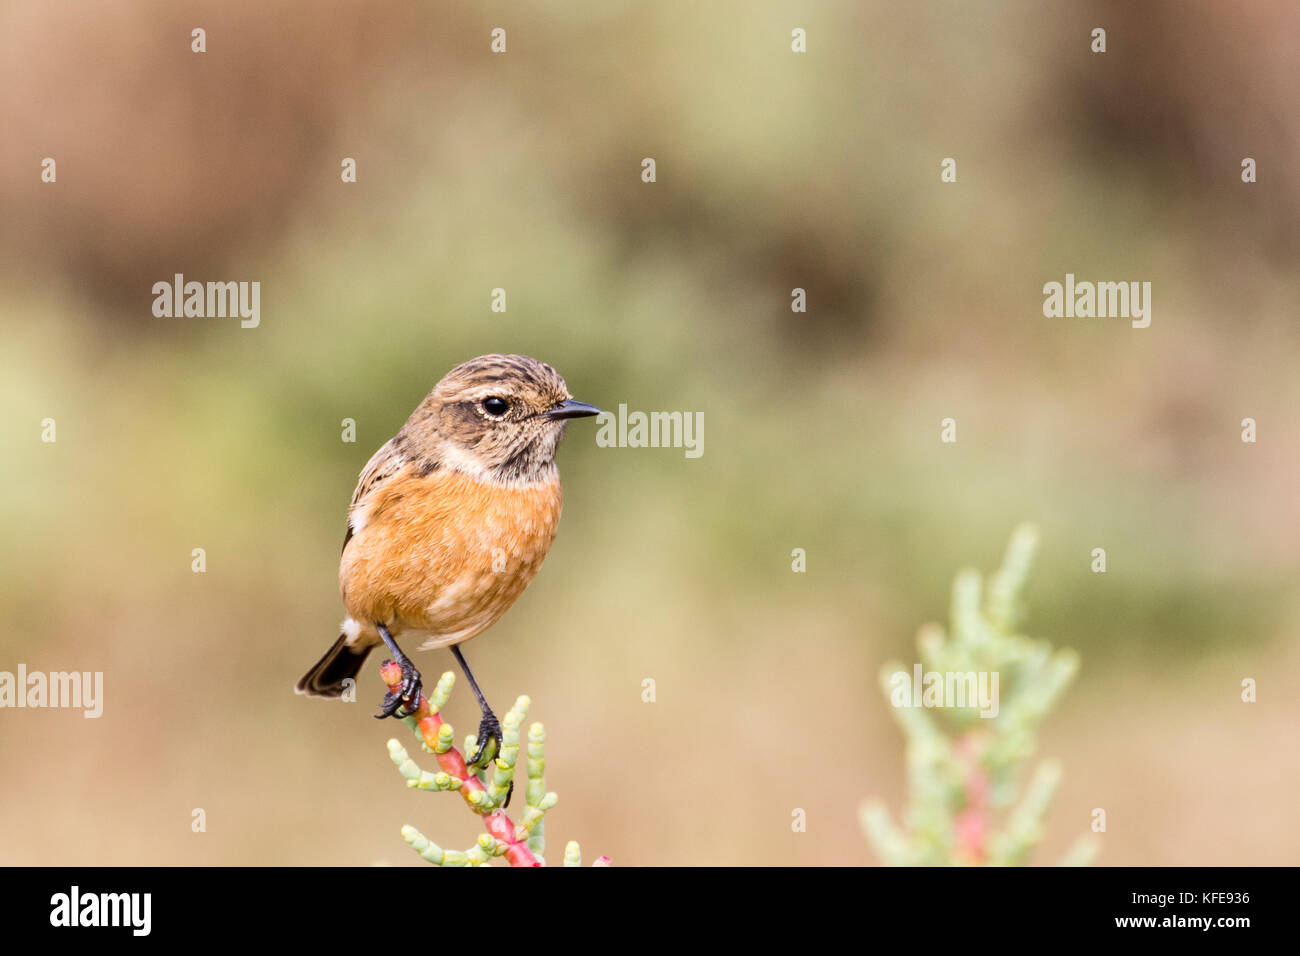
495	416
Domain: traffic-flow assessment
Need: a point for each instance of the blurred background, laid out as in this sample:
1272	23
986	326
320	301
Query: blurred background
775	170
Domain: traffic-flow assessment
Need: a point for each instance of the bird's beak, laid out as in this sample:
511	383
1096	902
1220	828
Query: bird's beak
571	409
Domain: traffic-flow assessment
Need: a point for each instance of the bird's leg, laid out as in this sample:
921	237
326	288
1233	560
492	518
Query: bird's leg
489	727
411	683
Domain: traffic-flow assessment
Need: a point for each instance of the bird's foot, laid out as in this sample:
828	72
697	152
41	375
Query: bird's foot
408	696
489	728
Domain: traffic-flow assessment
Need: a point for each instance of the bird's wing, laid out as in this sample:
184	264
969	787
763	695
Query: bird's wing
383	464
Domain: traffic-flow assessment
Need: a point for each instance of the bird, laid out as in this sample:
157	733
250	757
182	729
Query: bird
449	523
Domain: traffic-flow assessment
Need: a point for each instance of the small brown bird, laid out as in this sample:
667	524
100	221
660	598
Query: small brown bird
450	521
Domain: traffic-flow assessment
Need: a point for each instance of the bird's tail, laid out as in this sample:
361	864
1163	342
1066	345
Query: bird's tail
341	662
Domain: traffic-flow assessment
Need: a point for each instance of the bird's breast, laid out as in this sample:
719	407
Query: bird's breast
447	553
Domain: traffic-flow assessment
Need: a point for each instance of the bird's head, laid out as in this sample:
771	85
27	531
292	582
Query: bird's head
499	416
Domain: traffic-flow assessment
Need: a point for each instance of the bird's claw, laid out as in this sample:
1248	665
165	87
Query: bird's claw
408	696
489	728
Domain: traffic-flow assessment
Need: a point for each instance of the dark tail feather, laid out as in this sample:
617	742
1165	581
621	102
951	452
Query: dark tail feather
341	662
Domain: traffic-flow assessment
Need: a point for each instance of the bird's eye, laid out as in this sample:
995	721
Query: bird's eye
496	407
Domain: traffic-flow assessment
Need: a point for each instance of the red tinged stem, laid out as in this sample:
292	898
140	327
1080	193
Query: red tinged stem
972	822
452	763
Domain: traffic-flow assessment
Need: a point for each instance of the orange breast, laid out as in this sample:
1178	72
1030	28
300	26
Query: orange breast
446	554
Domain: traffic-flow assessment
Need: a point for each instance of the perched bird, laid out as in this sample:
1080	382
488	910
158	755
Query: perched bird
450	521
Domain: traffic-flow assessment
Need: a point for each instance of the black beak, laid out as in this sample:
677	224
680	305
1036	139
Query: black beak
571	409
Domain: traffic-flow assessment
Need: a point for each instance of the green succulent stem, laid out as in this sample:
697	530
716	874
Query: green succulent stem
522	843
971	728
